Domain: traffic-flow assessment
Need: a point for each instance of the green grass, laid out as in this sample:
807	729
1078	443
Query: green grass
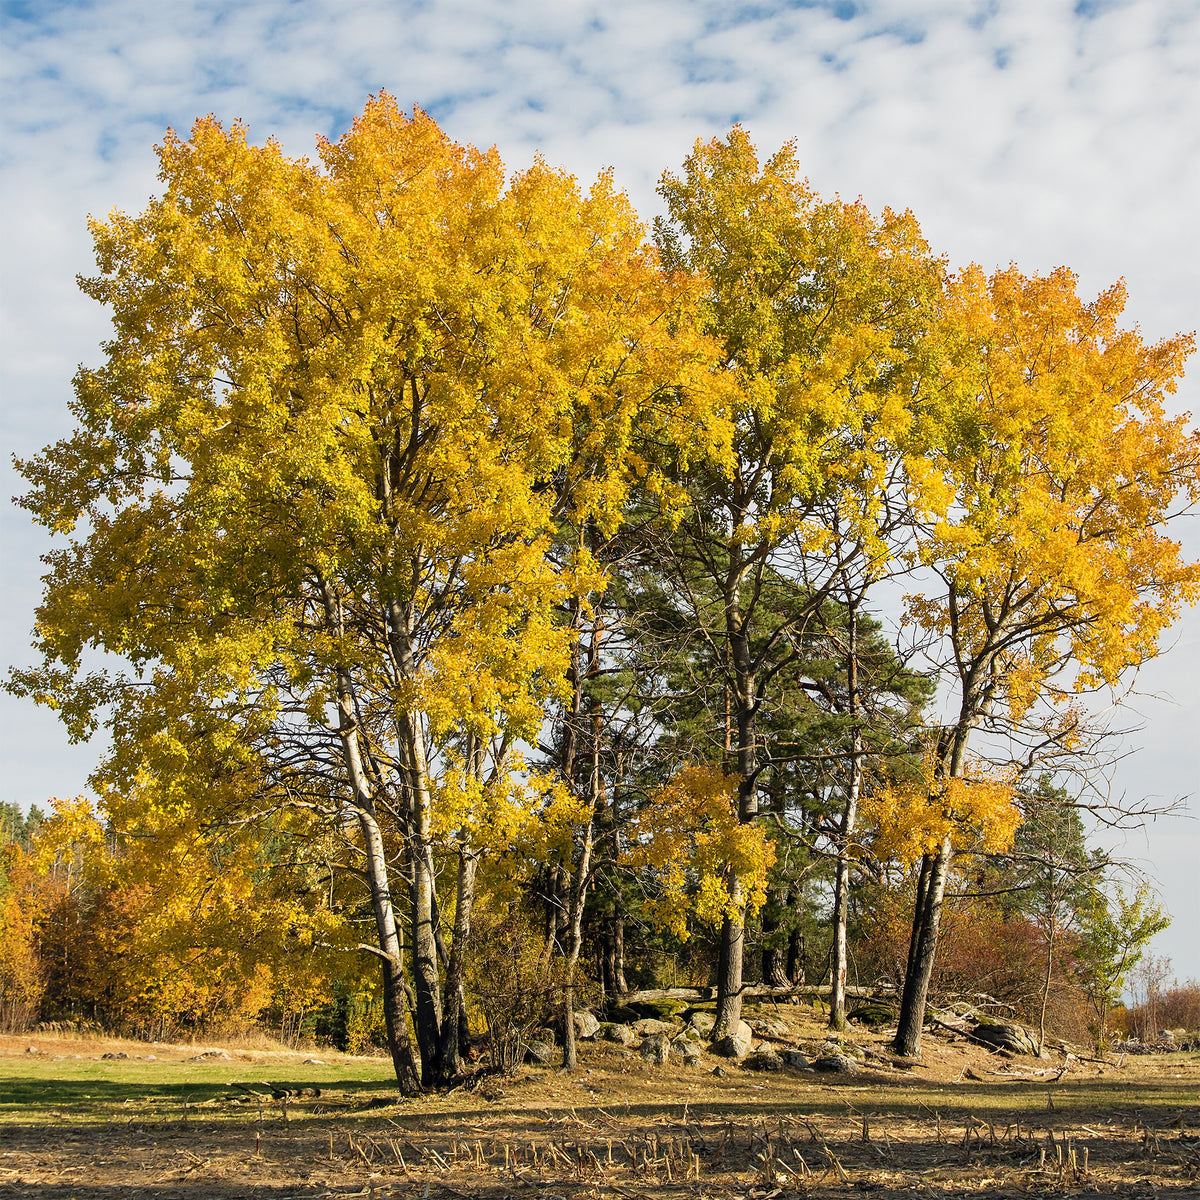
37	1091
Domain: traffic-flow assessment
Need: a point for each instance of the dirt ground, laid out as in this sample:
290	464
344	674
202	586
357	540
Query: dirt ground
172	1121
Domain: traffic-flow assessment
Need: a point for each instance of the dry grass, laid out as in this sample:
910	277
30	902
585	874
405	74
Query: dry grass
91	1128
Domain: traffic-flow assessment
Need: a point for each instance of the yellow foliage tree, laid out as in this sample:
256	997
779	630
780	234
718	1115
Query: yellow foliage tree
690	838
162	929
315	482
821	310
1048	568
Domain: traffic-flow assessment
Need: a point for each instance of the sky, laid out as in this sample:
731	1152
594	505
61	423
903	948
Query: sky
1041	132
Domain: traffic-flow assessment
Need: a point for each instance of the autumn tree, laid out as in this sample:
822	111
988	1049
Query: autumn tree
1049	572
819	308
314	488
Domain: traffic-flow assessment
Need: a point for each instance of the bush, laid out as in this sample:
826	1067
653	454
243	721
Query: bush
510	981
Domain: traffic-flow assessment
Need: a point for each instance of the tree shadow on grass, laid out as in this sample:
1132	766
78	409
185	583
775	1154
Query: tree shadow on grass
30	1098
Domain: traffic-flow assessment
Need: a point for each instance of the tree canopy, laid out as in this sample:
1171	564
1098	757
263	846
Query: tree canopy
396	463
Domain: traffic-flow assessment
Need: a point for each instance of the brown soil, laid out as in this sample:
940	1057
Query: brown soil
965	1121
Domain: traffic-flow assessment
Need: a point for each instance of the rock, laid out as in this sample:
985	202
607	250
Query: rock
763	1060
314	1062
150	1058
701	1022
795	1059
873	1014
1006	1037
659	1010
545	1034
120	1054
586	1025
32	1050
656	1049
733	1046
650	1025
687	1045
616	1032
624	1014
720	1072
539	1051
836	1064
768	1027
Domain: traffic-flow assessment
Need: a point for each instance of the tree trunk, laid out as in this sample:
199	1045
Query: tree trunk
606	956
395	1015
619	952
729	970
922	952
375	855
733	928
797	957
918	911
425	955
774	954
837	966
841	883
454	1014
581	875
1046	986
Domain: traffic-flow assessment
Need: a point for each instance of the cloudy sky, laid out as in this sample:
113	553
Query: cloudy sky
1037	131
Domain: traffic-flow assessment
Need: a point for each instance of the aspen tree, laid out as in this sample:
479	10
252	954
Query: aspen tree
1049	571
315	482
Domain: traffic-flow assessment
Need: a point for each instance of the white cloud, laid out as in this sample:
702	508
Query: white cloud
1015	129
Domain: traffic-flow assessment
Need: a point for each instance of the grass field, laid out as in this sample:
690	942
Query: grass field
165	1122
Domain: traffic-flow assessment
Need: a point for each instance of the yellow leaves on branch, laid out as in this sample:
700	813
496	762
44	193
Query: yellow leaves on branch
514	812
393	369
176	925
1061	466
976	811
704	859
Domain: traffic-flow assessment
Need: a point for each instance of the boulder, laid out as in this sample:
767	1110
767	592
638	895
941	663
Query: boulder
702	1022
839	1064
736	1045
650	1025
539	1052
796	1059
545	1034
768	1027
586	1025
1002	1036
687	1045
656	1049
763	1060
624	1014
660	1010
873	1014
616	1032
